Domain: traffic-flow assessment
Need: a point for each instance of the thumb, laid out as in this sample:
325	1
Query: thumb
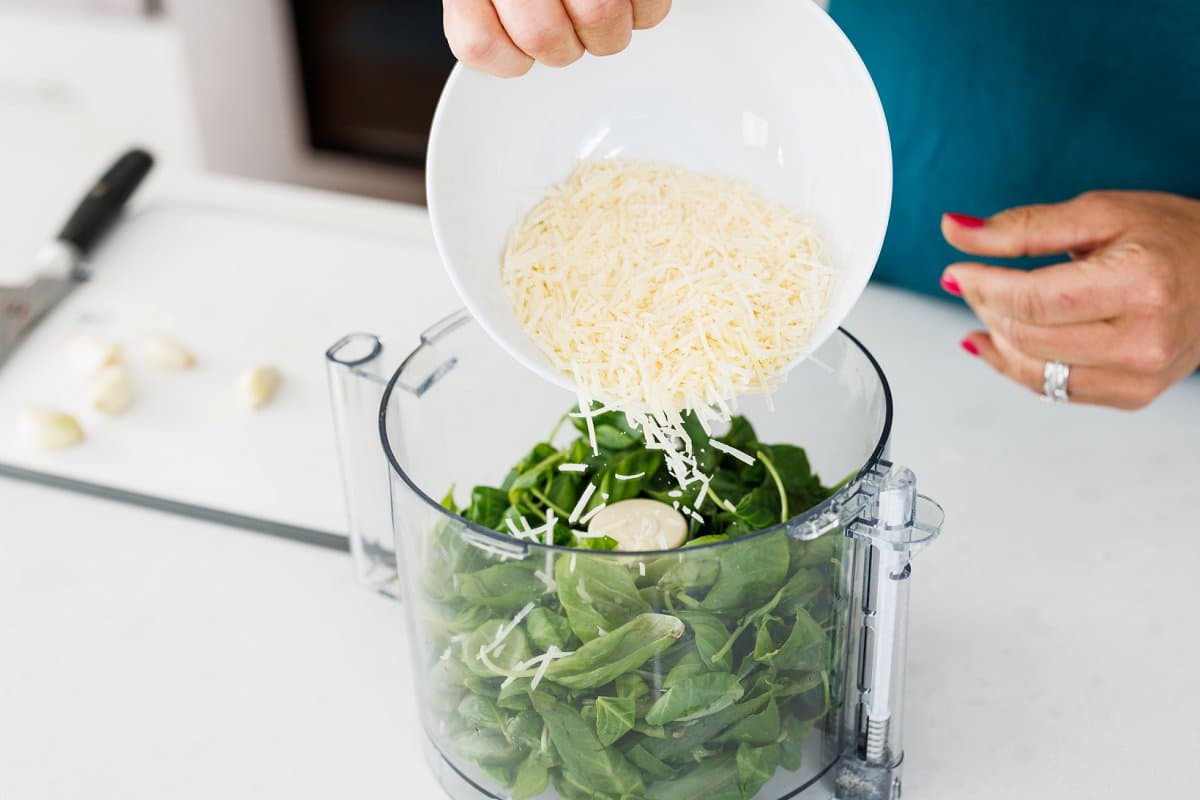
1080	224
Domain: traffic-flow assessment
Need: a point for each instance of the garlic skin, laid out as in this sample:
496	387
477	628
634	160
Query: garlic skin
166	354
48	429
111	391
256	386
89	354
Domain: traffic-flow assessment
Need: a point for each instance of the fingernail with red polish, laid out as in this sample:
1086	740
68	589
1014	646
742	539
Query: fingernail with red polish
970	347
966	220
950	285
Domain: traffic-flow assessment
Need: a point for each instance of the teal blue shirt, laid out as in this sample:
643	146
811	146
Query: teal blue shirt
999	103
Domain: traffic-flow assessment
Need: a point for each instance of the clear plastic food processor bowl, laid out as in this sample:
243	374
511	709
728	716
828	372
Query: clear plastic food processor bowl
765	666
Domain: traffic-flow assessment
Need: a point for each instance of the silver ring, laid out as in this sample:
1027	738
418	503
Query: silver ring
1054	382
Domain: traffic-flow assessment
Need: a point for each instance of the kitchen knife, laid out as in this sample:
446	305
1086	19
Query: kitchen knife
56	266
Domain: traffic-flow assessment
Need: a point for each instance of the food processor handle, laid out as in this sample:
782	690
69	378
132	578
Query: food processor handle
899	523
354	367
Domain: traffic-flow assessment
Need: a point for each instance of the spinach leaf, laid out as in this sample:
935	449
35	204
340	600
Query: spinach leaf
448	501
603	659
615	717
596	594
755	766
584	757
695	697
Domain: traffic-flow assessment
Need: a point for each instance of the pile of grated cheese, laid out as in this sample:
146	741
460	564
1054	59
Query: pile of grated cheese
661	290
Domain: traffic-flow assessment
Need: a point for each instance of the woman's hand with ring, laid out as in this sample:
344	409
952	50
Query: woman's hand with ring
1123	311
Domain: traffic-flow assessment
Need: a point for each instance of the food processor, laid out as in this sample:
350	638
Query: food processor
770	665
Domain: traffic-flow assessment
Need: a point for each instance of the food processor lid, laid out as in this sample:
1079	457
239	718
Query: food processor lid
818	518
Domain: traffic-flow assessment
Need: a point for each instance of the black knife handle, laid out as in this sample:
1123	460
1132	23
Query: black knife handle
105	199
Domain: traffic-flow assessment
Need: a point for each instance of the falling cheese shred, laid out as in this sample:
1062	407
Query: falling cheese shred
660	291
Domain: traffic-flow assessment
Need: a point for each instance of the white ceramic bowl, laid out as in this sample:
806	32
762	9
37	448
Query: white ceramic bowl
766	90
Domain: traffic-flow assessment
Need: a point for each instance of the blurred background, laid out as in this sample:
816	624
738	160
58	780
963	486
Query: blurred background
334	94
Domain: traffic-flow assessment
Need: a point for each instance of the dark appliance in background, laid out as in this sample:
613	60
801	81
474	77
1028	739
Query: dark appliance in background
336	94
372	71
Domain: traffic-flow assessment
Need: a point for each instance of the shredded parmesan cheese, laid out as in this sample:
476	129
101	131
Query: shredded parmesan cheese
660	291
745	458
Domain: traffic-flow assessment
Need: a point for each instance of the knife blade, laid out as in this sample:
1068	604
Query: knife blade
57	265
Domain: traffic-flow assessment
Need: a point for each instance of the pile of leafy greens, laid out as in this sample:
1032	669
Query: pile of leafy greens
674	676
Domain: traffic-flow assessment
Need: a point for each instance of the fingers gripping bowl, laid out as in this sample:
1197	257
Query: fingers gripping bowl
768	91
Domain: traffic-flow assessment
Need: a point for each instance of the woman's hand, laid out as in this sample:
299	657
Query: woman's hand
1123	312
505	37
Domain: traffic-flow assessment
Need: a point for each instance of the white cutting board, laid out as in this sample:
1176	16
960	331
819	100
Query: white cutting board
238	290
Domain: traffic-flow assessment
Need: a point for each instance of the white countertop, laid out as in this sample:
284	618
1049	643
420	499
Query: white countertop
1050	651
148	656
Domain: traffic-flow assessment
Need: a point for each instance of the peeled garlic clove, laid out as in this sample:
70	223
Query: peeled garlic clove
48	428
111	391
167	354
89	354
640	524
256	386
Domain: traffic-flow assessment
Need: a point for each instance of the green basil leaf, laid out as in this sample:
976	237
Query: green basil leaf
695	697
632	686
755	766
487	747
547	629
512	651
749	574
625	649
792	464
515	696
791	749
532	778
711	780
524	729
448	501
504	587
584	758
804	649
758	729
596	593
615	717
741	435
710	636
487	506
760	508
691	665
644	760
480	712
